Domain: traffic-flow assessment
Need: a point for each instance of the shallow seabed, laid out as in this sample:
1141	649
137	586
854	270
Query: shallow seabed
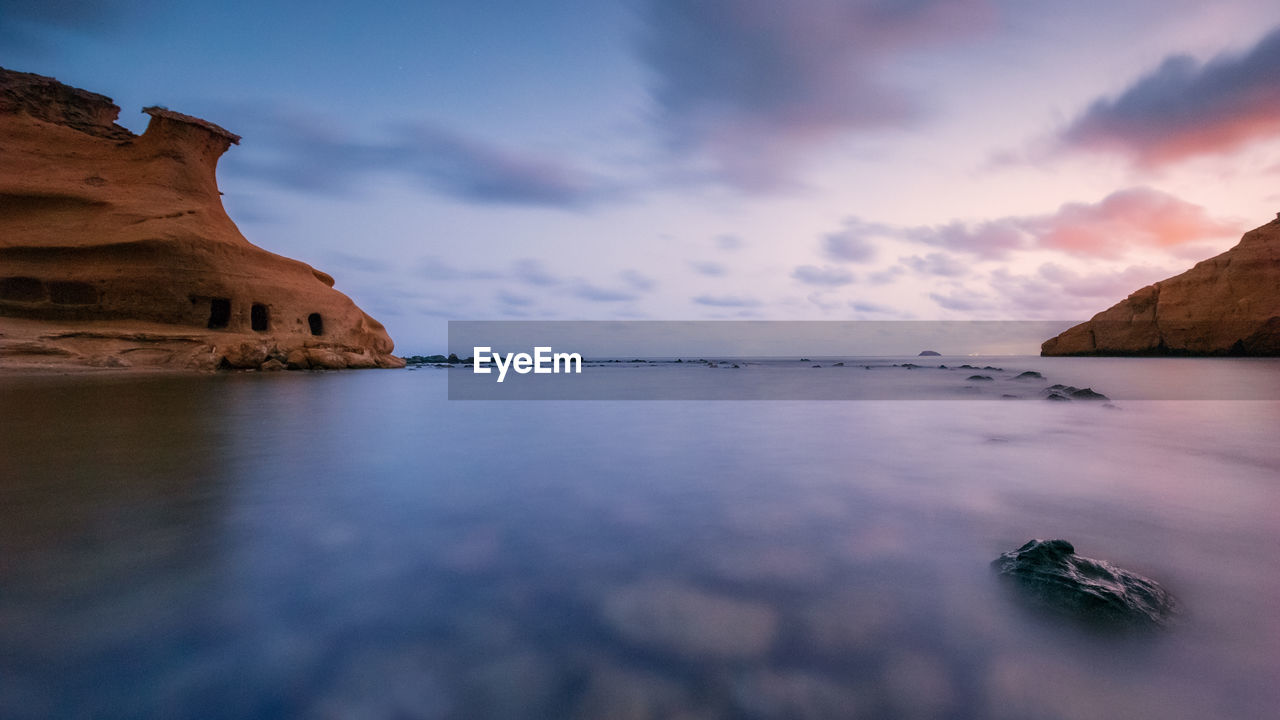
353	545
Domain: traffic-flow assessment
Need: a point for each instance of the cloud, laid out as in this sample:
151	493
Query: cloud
866	307
531	272
1050	291
359	263
730	242
854	243
1133	218
512	300
437	270
727	301
710	269
24	23
298	153
824	276
595	293
637	281
963	300
1185	108
939	264
748	87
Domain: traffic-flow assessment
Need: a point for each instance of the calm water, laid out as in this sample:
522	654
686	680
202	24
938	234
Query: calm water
353	545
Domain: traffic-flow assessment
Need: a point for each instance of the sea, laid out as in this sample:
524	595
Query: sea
687	540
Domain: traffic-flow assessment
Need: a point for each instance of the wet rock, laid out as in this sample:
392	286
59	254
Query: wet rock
982	378
1087	394
1029	375
929	353
1055	397
1053	576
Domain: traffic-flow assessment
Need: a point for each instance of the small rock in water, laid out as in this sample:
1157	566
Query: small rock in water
1088	394
1058	398
929	353
1029	375
978	377
1054	576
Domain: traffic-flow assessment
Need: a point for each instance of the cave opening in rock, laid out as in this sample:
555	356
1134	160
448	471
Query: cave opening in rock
259	318
317	323
219	313
22	289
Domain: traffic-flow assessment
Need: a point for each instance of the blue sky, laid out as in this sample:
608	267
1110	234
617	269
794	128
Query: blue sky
656	159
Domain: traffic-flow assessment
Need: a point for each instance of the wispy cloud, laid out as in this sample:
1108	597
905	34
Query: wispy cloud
822	276
299	153
1128	219
24	23
595	293
748	87
637	280
437	270
727	301
730	242
855	242
710	269
939	264
532	272
1185	108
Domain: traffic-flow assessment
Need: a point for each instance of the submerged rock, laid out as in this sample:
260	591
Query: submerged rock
1054	576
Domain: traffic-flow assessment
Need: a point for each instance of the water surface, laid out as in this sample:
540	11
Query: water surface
354	545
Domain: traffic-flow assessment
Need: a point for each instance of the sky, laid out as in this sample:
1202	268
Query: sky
709	160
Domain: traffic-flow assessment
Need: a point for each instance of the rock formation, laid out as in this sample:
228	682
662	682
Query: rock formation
115	250
1054	576
1226	305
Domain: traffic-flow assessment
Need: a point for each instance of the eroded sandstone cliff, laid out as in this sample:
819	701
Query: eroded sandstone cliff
115	250
1226	305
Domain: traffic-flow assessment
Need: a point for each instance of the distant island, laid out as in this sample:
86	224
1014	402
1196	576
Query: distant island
929	353
1226	305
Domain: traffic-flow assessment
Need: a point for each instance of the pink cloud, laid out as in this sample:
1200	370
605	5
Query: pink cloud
1184	108
1133	218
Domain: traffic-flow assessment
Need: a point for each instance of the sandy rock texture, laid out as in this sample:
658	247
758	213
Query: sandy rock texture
115	250
1226	305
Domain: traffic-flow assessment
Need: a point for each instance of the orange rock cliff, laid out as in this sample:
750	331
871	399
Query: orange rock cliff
115	250
1226	305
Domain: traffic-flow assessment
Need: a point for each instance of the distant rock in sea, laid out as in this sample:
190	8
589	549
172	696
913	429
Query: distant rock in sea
1226	305
115	250
1051	574
929	353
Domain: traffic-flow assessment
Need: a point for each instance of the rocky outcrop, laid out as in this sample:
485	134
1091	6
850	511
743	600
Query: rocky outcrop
1226	305
1052	575
115	250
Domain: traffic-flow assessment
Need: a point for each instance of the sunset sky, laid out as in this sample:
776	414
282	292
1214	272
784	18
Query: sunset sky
680	160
